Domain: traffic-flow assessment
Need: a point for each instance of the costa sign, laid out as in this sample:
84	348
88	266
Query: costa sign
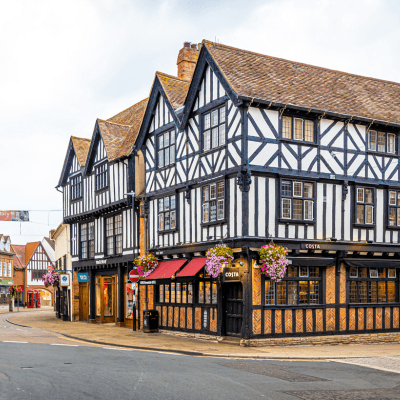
231	274
312	246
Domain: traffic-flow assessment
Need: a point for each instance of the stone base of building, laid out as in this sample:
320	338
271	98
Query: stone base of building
190	335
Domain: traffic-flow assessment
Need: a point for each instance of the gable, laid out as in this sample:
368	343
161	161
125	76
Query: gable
162	115
75	166
100	152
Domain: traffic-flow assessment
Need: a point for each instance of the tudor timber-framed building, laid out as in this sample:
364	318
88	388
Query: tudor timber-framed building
243	148
263	148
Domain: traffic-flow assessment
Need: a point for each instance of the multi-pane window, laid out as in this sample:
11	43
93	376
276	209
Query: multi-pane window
114	235
207	288
166	148
87	241
297	200
175	293
301	285
394	207
166	213
76	187
372	285
101	176
9	270
214	129
364	205
382	142
298	129
213	202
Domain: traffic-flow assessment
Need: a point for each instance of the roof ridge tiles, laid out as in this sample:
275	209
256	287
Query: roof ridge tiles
114	123
224	46
173	77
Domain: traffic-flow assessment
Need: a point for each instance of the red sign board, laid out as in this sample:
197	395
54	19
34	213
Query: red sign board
50	268
133	276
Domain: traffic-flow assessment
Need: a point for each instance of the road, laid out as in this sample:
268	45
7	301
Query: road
35	364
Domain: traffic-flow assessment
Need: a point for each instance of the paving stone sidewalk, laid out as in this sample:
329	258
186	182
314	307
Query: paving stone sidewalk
110	334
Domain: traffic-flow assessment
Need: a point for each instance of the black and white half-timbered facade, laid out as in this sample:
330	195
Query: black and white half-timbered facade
255	148
98	185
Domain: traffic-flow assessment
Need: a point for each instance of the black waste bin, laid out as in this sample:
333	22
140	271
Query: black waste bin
150	321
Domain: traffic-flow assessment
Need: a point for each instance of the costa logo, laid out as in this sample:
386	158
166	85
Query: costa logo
312	246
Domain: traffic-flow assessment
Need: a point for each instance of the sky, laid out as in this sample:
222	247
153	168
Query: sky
65	63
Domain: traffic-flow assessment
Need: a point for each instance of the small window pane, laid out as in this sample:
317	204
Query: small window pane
360	195
201	292
161	293
360	213
363	291
178	293
373	273
308	190
214	293
353	292
166	221
353	272
292	292
286	208
215	137
166	157
368	196
303	271
281	292
213	191
222	115
398	198
161	158
298	129
172	154
221	192
391	143
160	205
381	141
166	139
166	204
190	293
166	294
392	198
373	292
381	292
391	290
207	140
391	273
214	118
213	210
297	209
314	272
269	293
172	292
172	220
222	135
309	131
297	189
308	210
369	218
161	142
161	222
206	216
303	292
208	292
287	127
206	193
372	140
286	188
184	293
363	272
220	210
293	271
172	137
314	292
207	121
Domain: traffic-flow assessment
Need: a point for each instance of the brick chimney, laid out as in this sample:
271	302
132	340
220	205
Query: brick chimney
187	59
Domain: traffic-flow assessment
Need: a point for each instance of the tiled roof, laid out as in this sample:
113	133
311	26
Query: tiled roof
176	89
19	258
273	79
29	250
81	147
52	243
119	132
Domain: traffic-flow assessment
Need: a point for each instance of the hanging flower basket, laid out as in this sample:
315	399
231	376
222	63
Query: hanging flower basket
217	258
15	290
146	265
273	261
51	278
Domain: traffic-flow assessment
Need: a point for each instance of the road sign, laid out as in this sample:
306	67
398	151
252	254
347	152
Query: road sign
133	276
50	268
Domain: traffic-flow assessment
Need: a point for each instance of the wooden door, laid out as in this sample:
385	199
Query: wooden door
233	296
109	299
83	302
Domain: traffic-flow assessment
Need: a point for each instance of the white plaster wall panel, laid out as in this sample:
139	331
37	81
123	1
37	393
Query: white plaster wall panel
199	214
300	233
239	212
338	213
232	126
252	210
308	159
187	222
292	231
261	207
380	206
215	87
232	218
271	214
265	156
359	159
201	95
221	90
395	237
329	135
356	137
331	161
208	85
260	123
281	231
232	150
329	210
291	161
320	204
310	232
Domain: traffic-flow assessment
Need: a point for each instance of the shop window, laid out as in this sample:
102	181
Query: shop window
114	235
166	148
214	127
372	285
130	292
297	200
213	202
207	289
365	205
175	292
382	142
166	213
101	176
98	298
76	187
301	285
298	129
86	240
394	208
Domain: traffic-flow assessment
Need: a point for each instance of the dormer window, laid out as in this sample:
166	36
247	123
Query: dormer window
297	129
101	173
382	142
166	148
76	187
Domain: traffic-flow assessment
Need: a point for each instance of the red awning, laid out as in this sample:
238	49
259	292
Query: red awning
166	269
193	267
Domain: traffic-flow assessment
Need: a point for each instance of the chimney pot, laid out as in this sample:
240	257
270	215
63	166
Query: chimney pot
186	44
187	59
194	46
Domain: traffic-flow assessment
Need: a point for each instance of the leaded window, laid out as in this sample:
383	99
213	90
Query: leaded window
166	213
207	288
297	129
86	240
394	207
364	205
166	148
301	285
214	128
372	285
76	187
101	176
382	142
181	293
213	202
114	235
297	200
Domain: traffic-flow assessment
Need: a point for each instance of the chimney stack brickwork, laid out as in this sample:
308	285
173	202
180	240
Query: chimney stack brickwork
187	59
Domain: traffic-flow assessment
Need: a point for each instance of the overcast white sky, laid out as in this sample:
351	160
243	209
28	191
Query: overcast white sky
65	63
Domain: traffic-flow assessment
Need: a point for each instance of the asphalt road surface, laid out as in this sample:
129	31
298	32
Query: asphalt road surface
39	365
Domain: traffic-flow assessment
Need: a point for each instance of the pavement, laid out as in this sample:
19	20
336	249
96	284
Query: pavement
122	337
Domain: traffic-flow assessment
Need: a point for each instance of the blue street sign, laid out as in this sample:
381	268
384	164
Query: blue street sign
83	277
